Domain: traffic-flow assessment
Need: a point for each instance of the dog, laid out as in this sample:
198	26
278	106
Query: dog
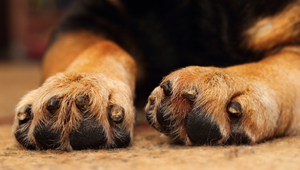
230	74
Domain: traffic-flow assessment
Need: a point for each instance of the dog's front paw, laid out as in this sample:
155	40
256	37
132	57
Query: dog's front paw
76	111
198	105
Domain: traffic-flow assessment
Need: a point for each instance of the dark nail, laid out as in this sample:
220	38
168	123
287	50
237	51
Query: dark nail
82	102
53	104
235	109
167	87
116	113
25	114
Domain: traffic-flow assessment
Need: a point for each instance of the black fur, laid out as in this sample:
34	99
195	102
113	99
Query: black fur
150	120
164	35
123	138
165	121
238	139
21	137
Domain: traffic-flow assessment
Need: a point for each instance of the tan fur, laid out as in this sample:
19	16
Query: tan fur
280	29
65	49
92	66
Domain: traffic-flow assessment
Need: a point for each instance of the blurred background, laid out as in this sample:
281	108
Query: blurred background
25	27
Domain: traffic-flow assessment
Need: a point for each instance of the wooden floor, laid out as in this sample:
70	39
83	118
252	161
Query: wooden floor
149	150
16	79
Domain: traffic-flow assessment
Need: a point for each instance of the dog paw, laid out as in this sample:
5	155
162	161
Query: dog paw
199	105
73	111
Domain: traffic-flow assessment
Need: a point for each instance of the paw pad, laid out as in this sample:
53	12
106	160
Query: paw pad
47	137
201	129
89	135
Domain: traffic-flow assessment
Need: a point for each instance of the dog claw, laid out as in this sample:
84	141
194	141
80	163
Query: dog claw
166	86
22	116
116	113
24	113
53	104
235	108
189	93
82	102
152	98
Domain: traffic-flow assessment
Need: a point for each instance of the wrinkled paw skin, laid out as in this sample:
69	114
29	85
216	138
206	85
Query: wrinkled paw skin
207	106
74	111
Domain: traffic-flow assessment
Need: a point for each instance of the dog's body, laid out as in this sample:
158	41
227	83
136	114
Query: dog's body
103	46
